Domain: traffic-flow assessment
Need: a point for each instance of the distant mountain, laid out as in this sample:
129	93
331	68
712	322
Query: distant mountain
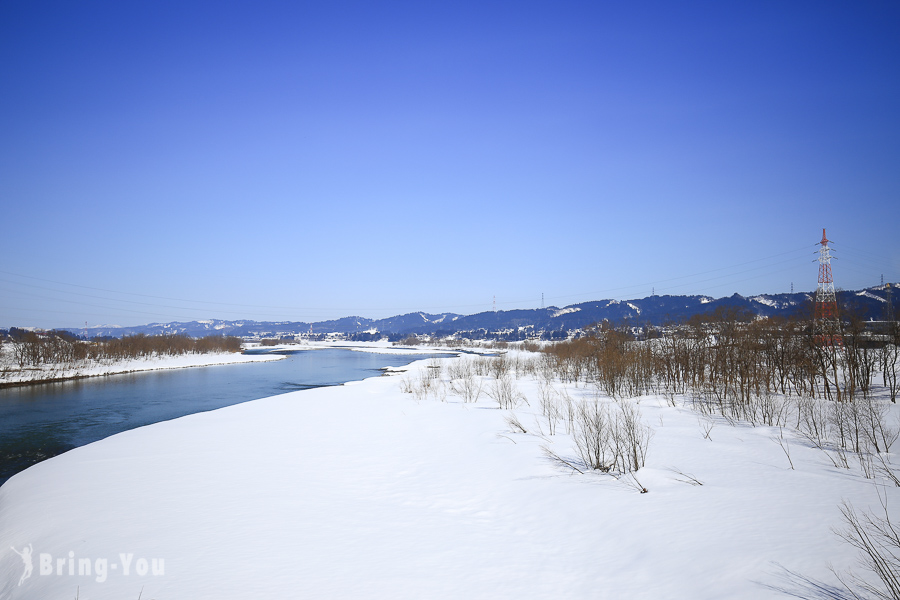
551	322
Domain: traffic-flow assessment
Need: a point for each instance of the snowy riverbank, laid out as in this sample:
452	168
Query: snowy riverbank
381	347
13	375
363	491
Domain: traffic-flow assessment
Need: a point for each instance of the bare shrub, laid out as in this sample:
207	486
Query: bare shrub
611	440
886	469
549	407
422	385
889	356
439	390
464	382
593	435
434	368
845	425
546	367
514	424
878	540
785	446
482	366
881	434
568	410
529	346
771	409
503	390
632	480
559	460
524	366
632	438
499	366
688	478
813	420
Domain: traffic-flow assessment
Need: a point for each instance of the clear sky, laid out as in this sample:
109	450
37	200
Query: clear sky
165	161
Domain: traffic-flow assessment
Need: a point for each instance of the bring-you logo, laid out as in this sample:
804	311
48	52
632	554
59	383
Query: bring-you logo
100	569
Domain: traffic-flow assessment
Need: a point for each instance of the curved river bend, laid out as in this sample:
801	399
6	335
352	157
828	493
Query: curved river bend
43	420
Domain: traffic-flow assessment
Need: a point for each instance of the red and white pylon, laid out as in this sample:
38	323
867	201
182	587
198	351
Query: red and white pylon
827	326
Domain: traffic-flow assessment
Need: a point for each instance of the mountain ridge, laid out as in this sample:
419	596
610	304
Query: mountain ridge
549	322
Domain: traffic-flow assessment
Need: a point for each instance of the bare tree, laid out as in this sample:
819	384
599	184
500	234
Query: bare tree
878	540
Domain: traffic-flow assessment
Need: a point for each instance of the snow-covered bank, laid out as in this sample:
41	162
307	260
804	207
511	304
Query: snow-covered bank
17	376
380	347
362	491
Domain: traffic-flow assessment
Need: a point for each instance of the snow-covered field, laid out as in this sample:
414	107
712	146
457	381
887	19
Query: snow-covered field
11	374
363	491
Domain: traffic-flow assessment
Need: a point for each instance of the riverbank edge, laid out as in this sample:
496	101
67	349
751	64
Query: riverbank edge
150	367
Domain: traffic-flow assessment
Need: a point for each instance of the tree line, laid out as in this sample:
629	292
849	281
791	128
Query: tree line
731	356
771	372
31	349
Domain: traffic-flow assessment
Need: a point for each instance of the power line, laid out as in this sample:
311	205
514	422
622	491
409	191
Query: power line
857	261
332	308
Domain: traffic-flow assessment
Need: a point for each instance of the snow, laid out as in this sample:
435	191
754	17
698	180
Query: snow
361	491
705	300
114	367
764	300
401	350
427	320
633	307
380	347
869	294
564	311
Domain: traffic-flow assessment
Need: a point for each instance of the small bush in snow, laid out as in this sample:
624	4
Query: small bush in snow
504	391
611	439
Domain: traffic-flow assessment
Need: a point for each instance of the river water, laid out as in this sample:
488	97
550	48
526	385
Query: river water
43	420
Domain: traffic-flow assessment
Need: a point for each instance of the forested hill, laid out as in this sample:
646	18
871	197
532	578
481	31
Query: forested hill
870	304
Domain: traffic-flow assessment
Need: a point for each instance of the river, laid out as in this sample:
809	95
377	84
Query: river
43	420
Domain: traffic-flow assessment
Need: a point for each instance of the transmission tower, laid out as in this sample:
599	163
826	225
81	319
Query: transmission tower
827	327
889	305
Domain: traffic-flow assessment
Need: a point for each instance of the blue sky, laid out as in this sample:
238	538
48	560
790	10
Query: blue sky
165	161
